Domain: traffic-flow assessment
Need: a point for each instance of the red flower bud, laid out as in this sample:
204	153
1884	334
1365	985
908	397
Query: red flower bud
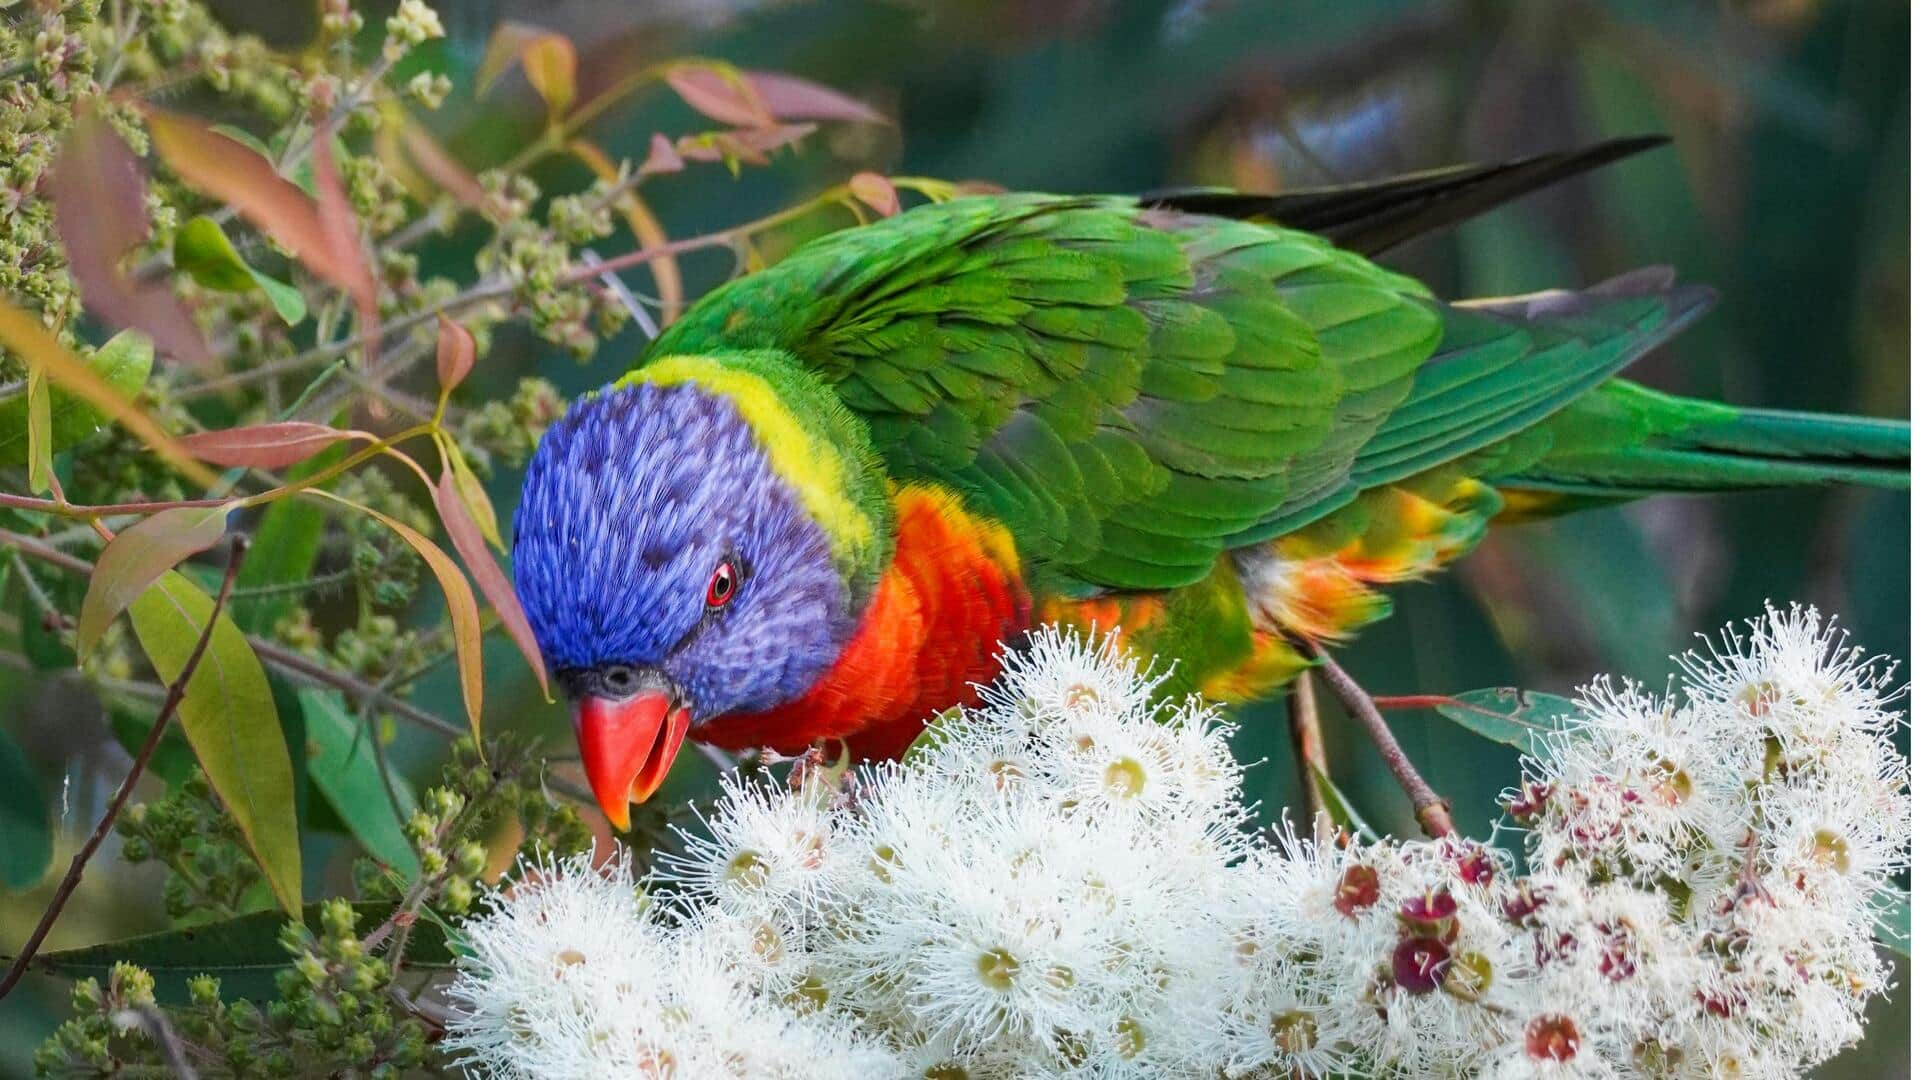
1420	964
1552	1038
1359	888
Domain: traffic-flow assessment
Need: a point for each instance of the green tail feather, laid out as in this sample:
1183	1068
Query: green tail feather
1626	442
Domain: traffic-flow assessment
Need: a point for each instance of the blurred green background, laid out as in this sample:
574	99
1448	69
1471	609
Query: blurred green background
1786	188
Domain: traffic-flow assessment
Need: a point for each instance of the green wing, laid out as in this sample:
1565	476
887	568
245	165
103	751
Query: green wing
1135	390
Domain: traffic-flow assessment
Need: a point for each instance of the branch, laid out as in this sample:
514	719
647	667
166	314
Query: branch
1309	747
1429	808
175	693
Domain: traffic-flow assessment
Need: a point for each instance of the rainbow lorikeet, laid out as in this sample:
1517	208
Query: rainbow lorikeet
1206	421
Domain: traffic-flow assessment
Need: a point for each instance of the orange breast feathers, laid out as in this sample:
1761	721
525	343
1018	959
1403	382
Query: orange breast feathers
931	630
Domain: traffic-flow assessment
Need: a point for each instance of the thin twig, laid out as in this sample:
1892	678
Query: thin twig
1309	748
1414	701
1429	808
175	692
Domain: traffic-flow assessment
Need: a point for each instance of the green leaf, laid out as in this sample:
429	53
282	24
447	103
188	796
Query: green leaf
172	760
285	548
342	763
243	952
287	301
39	431
248	138
40	643
1339	807
293	731
201	249
1895	928
137	556
26	827
123	363
1504	714
930	736
229	719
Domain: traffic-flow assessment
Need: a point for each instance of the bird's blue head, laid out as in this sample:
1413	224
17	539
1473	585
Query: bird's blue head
672	557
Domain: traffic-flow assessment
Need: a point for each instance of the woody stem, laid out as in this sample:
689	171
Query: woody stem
1429	808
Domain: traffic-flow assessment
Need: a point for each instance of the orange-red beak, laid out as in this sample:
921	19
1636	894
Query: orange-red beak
626	747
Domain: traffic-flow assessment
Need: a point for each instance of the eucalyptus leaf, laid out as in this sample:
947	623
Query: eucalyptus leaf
124	363
1339	807
201	249
285	548
26	825
1507	715
342	764
230	720
243	952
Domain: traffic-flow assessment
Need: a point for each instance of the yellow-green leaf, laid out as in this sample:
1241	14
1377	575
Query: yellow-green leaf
39	431
547	58
463	612
23	334
474	496
228	715
123	364
137	557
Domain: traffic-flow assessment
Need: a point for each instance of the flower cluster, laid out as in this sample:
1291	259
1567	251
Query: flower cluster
573	975
1061	883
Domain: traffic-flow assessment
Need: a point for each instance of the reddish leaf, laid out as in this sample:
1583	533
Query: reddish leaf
341	232
547	58
266	446
463	613
792	98
493	583
727	97
100	206
876	191
133	560
229	170
661	157
453	356
442	169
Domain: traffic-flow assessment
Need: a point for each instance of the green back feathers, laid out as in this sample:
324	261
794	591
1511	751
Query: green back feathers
1126	389
1134	389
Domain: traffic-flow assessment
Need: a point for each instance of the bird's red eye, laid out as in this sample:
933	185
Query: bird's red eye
724	583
